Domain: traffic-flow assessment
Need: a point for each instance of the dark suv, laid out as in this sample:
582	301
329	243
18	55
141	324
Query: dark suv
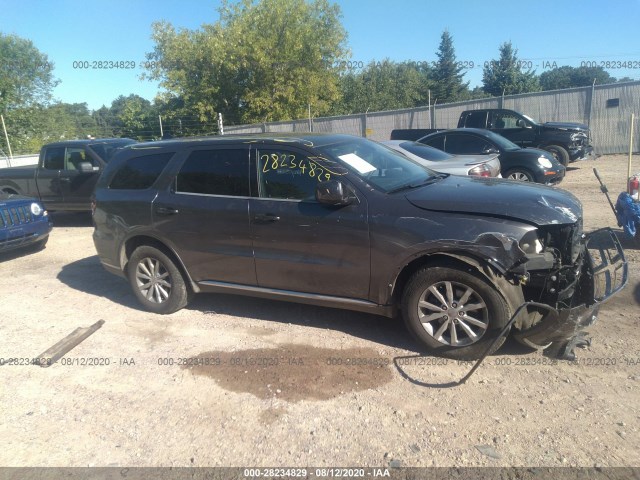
344	222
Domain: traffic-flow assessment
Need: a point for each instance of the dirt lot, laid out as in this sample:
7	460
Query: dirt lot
281	388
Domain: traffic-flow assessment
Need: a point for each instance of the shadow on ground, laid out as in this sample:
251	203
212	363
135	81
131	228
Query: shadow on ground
71	219
87	275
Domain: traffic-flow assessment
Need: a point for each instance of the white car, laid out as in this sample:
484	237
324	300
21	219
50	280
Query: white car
476	165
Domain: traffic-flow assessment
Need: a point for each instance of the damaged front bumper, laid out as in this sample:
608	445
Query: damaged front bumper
605	273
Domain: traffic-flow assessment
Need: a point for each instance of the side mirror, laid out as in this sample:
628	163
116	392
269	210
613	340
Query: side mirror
85	167
489	150
334	192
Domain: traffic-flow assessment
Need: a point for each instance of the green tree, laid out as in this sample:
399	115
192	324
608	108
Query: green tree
264	60
32	126
26	75
385	85
133	117
505	75
448	85
569	77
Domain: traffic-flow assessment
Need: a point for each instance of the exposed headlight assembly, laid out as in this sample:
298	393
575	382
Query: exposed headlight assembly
530	243
544	162
36	209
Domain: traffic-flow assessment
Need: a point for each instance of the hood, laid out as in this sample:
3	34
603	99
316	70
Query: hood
530	203
577	127
8	199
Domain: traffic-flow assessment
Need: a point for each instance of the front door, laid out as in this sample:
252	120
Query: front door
513	127
302	245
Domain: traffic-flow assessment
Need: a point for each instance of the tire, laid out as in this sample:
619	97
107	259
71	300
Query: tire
519	174
560	153
422	303
168	293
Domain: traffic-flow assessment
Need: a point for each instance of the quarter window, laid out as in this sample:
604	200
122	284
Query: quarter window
215	172
140	172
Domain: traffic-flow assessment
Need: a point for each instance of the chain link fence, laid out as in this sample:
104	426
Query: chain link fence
606	109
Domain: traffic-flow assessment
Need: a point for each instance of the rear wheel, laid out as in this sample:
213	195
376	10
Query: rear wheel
560	153
453	313
157	281
520	175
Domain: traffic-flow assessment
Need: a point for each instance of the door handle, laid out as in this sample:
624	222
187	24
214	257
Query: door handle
266	218
166	210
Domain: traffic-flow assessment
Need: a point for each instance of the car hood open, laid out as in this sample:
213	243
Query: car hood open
531	203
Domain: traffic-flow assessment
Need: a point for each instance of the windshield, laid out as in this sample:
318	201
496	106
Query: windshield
426	152
105	150
502	142
378	165
529	118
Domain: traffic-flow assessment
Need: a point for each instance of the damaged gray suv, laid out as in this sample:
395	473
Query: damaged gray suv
344	222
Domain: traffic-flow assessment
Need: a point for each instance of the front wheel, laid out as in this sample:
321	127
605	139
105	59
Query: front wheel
559	153
520	175
156	281
453	313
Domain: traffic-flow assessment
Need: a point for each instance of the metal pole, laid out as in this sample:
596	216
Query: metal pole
433	117
590	103
8	144
630	150
430	108
161	132
220	124
310	129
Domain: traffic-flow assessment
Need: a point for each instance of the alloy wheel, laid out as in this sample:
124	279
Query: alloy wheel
453	314
153	280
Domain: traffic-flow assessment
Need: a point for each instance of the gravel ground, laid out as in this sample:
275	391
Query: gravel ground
233	381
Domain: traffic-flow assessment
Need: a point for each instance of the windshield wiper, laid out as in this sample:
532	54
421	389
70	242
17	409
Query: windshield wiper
427	181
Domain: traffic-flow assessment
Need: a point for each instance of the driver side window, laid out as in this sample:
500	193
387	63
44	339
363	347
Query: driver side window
285	174
73	158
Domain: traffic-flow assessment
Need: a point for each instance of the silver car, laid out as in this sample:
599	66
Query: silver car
476	165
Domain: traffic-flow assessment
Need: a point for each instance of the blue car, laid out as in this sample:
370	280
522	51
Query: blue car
23	223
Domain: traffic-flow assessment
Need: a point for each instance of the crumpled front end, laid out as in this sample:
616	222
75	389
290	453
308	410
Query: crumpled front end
598	270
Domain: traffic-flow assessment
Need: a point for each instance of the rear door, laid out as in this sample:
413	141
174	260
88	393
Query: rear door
204	215
48	176
302	245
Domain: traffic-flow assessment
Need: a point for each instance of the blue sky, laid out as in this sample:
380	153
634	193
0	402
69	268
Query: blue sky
544	31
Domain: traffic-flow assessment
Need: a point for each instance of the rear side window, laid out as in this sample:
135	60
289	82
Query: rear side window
466	145
437	142
139	173
476	120
54	158
215	172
